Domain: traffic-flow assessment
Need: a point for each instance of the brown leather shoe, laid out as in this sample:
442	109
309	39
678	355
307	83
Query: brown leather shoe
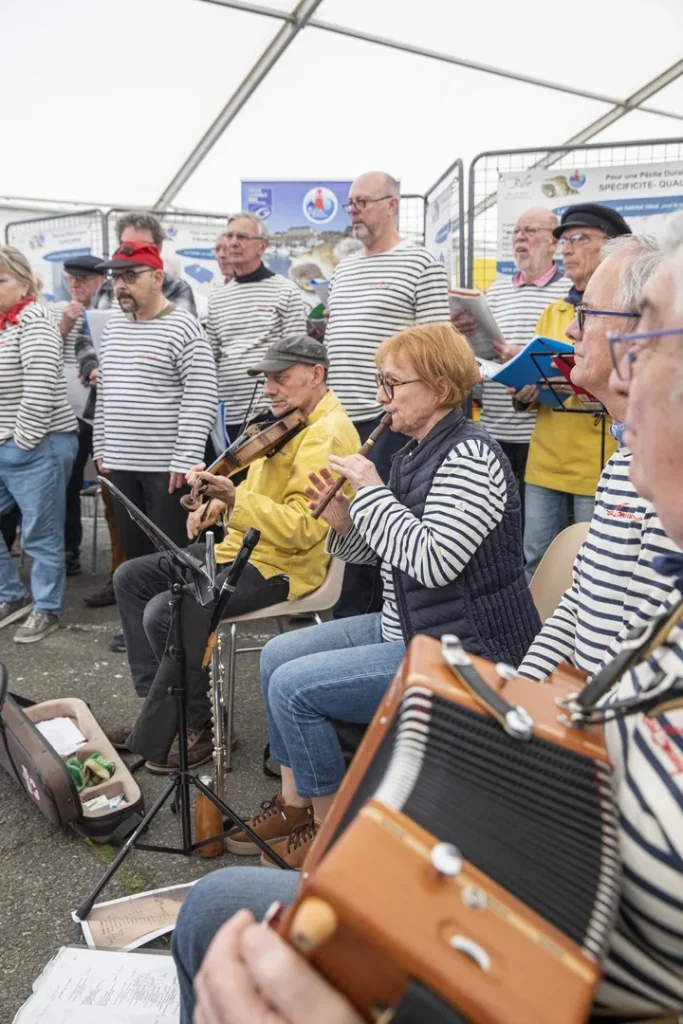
276	821
101	598
199	751
118	734
295	848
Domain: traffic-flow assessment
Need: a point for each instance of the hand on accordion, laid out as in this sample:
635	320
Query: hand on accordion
251	976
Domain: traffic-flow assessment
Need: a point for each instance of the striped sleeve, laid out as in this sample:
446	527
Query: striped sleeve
351	548
466	502
431	295
197	413
40	350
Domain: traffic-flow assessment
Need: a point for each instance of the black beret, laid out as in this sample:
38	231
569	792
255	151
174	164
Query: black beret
593	215
83	266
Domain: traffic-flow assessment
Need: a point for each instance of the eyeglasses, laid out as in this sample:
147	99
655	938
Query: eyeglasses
625	348
528	232
240	237
578	238
582	312
129	276
360	204
389	386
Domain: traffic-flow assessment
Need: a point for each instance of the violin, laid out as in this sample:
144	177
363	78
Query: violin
255	443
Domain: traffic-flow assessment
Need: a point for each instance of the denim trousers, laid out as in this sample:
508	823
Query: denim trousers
212	902
337	670
36	480
548	513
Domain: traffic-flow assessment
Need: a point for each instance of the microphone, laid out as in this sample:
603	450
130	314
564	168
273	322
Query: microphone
249	542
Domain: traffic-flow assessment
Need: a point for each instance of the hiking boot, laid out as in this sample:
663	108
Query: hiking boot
12	611
73	564
199	751
117	644
295	848
37	626
102	597
275	823
118	734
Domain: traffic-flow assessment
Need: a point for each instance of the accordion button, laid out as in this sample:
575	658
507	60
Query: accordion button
446	859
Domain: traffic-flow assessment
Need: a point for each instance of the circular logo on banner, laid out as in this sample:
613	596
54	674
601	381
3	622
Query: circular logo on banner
320	204
577	180
171	231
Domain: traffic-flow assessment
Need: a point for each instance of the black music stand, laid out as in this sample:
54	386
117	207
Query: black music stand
186	575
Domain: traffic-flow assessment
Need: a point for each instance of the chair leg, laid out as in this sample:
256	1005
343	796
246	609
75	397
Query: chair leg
230	692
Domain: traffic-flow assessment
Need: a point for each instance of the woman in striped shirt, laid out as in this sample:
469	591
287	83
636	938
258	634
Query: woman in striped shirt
445	533
38	443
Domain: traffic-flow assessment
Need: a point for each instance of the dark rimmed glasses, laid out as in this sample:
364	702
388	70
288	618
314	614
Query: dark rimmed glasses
582	311
625	348
360	204
130	276
389	386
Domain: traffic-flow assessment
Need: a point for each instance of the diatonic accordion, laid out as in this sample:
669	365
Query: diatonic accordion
462	865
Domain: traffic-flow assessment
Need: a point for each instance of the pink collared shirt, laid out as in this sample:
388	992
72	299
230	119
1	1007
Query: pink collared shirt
518	281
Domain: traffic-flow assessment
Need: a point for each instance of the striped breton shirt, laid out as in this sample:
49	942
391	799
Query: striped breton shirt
32	385
645	965
614	586
372	298
516	307
245	318
156	393
466	502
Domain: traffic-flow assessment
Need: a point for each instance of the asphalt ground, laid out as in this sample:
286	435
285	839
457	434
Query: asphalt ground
45	871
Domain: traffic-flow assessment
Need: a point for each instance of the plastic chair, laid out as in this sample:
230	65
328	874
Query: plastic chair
320	600
554	572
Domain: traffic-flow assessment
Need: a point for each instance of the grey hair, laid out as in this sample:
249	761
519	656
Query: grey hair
143	221
346	247
647	252
260	225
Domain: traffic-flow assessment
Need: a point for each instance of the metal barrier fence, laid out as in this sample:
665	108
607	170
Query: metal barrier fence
411	217
48	241
487	168
445	221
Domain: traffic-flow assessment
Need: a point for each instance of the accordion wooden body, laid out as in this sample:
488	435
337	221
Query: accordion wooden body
516	932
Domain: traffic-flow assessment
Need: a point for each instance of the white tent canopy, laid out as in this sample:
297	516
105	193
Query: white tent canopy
125	104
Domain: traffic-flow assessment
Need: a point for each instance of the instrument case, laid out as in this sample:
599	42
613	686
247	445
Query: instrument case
30	760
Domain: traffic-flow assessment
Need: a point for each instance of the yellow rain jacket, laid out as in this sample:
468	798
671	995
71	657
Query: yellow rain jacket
272	499
565	450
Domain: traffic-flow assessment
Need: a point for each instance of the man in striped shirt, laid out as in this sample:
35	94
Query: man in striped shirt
254	311
614	582
389	285
157	396
517	301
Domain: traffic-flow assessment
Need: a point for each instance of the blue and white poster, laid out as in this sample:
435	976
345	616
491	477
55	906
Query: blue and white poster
48	242
305	220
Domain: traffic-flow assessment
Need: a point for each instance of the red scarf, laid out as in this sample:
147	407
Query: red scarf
12	315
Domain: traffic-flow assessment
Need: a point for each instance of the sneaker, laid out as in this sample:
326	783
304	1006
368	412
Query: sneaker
295	848
37	626
199	751
12	611
73	564
275	823
118	734
102	597
117	644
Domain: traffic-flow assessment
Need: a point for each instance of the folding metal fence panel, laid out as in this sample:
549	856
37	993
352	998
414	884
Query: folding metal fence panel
411	218
49	240
565	166
445	222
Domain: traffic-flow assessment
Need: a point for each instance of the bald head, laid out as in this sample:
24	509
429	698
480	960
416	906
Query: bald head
374	201
533	245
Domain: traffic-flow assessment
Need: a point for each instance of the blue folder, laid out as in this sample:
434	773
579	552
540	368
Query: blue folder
532	365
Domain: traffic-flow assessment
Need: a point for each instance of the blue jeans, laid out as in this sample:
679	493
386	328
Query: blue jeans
340	669
546	514
212	902
36	480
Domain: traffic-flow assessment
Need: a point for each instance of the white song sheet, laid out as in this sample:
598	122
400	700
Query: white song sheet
80	986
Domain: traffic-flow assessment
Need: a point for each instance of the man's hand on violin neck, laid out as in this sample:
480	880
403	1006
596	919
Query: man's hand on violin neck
214	486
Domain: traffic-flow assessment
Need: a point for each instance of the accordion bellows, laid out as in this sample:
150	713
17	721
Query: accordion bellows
517	934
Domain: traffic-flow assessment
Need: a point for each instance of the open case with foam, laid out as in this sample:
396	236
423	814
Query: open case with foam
42	773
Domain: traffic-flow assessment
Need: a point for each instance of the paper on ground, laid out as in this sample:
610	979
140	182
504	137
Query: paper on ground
474	303
62	734
83	986
131	921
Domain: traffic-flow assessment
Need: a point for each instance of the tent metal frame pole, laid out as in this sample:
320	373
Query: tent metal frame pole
282	40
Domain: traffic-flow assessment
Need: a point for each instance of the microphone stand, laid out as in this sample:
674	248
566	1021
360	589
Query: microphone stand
180	566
